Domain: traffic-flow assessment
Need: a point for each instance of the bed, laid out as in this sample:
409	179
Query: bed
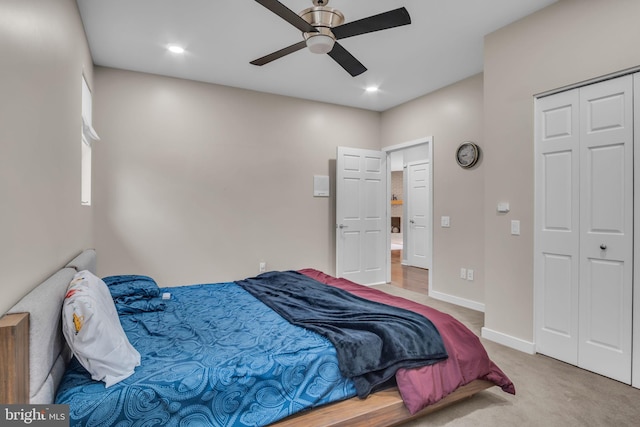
241	364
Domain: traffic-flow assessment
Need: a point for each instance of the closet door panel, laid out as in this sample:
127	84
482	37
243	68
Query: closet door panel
606	231
556	263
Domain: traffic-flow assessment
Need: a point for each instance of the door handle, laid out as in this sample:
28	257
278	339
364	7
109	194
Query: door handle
412	221
341	226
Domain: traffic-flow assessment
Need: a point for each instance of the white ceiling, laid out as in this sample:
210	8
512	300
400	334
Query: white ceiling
442	45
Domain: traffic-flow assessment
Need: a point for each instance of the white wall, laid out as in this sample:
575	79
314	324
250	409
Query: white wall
43	53
199	183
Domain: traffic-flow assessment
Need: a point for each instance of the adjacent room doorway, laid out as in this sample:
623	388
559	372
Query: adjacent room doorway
363	210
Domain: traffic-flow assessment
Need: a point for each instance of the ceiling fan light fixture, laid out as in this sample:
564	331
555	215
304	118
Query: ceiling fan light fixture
320	43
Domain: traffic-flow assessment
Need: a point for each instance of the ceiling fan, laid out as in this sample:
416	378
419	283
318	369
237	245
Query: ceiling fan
321	26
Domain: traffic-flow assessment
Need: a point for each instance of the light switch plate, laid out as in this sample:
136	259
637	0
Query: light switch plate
515	227
445	221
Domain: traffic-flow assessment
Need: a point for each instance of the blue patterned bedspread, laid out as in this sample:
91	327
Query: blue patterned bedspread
214	356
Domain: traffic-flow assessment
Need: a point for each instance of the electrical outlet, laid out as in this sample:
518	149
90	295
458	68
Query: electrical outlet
469	274
463	273
263	267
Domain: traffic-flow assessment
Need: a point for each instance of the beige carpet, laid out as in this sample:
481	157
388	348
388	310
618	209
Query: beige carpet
548	392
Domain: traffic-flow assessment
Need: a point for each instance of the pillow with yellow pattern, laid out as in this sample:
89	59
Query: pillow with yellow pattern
93	331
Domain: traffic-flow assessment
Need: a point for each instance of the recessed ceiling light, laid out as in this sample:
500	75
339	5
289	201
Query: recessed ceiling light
175	48
372	89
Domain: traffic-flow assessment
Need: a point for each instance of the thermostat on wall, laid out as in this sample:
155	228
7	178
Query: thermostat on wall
503	207
320	186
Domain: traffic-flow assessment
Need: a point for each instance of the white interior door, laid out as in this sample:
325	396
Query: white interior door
418	224
361	215
606	238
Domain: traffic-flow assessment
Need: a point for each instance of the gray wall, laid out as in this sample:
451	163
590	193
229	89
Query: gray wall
199	183
568	42
43	53
451	115
245	194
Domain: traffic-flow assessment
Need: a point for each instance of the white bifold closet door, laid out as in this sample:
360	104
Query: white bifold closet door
584	227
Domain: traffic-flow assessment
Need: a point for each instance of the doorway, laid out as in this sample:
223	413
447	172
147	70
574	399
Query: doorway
410	192
363	214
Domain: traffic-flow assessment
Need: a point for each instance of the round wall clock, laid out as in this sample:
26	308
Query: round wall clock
467	154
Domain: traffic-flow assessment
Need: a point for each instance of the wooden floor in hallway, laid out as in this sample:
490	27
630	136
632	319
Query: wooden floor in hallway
406	277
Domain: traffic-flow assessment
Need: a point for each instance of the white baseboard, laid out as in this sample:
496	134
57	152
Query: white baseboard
509	341
463	302
490	334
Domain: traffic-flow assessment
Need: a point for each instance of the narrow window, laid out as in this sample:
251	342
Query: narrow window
88	136
85	198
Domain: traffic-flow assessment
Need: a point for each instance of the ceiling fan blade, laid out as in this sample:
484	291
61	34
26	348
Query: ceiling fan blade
288	15
382	21
346	60
280	53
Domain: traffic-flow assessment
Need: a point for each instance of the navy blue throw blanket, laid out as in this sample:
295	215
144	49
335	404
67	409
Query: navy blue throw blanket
372	340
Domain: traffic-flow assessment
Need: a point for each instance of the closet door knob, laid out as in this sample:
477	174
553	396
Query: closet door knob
603	246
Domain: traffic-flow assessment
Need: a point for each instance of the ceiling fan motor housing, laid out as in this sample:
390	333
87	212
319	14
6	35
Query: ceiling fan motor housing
323	19
321	16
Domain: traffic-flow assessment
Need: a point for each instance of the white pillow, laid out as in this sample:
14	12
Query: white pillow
92	329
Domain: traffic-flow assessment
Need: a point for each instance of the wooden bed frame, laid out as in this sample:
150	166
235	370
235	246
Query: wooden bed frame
383	408
14	349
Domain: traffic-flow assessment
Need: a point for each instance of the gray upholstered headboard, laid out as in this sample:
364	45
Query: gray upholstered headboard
85	261
48	351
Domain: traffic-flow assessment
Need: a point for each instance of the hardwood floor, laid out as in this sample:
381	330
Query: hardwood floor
410	278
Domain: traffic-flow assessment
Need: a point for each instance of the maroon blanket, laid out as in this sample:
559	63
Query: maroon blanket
468	360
